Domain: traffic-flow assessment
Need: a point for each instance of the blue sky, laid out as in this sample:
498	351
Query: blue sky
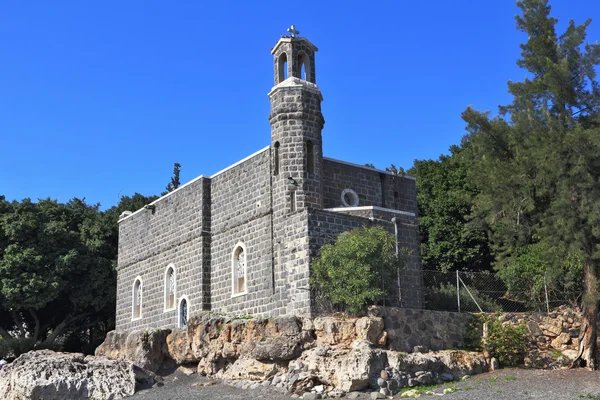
99	99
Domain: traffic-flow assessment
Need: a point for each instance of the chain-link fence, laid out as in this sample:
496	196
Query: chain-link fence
484	291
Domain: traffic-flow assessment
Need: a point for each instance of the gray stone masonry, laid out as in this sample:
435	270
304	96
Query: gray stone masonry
281	204
175	232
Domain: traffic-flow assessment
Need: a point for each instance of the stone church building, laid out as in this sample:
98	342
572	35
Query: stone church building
241	241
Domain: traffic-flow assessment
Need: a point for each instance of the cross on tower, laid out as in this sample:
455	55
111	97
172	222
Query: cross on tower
293	32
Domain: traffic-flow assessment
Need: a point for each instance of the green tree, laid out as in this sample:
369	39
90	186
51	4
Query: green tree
359	269
536	164
451	238
57	268
174	183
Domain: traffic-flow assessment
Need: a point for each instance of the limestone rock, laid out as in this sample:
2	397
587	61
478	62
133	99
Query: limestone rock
334	331
146	349
560	342
47	375
346	369
280	348
249	369
369	329
456	362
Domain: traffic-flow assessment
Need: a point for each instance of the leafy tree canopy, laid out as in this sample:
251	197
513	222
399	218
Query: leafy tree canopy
359	269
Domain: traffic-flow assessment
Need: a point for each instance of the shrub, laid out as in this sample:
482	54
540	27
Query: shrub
359	269
505	341
443	298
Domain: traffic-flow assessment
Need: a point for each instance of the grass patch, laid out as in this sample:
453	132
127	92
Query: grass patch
510	378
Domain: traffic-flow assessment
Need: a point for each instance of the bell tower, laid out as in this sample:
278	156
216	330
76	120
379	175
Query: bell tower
296	124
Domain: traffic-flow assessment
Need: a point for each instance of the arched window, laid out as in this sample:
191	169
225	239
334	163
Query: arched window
136	301
310	157
183	312
238	270
282	72
276	159
170	286
304	67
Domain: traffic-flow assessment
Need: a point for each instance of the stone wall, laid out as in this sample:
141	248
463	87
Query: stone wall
326	225
373	187
175	232
409	329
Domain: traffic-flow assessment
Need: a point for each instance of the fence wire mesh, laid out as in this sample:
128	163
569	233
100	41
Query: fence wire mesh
485	291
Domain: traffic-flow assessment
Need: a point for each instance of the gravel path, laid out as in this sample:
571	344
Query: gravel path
502	384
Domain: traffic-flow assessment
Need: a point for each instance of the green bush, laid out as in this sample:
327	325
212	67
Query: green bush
506	341
443	298
359	269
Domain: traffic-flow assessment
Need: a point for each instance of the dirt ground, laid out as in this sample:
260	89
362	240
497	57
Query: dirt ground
502	384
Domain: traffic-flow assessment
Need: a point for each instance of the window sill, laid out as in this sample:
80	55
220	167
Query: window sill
239	294
166	310
136	319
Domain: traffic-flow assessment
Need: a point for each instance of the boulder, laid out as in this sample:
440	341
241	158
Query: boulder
370	329
279	348
248	369
456	362
48	375
560	342
335	331
347	369
146	349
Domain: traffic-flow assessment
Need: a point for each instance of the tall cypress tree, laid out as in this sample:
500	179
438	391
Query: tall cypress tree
537	164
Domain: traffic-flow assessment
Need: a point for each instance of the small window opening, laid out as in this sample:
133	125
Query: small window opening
282	68
293	201
137	299
239	270
183	313
170	288
396	195
276	161
349	198
310	157
302	66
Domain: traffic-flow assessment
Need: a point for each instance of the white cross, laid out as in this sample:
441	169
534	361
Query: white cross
293	32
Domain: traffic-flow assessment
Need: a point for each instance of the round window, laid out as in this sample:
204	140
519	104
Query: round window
349	198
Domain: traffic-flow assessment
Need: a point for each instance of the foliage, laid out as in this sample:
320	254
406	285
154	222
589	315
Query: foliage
57	272
443	298
506	341
536	164
359	269
451	238
525	273
175	182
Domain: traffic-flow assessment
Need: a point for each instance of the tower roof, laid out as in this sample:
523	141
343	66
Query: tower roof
290	39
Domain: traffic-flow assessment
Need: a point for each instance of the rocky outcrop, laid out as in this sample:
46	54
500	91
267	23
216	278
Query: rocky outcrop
348	369
326	355
146	349
48	375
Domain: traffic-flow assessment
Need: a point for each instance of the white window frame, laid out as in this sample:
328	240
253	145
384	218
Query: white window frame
178	308
133	296
234	276
166	293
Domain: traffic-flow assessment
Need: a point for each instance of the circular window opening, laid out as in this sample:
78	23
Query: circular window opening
349	198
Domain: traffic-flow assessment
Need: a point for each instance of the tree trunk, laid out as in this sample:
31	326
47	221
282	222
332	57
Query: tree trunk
36	332
587	338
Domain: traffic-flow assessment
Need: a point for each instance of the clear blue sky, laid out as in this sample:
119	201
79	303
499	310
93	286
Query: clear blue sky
100	98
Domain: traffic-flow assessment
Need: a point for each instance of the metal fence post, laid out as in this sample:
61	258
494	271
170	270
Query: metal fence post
546	290
458	290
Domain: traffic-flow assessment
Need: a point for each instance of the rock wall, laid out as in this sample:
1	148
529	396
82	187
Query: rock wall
336	354
409	329
554	336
